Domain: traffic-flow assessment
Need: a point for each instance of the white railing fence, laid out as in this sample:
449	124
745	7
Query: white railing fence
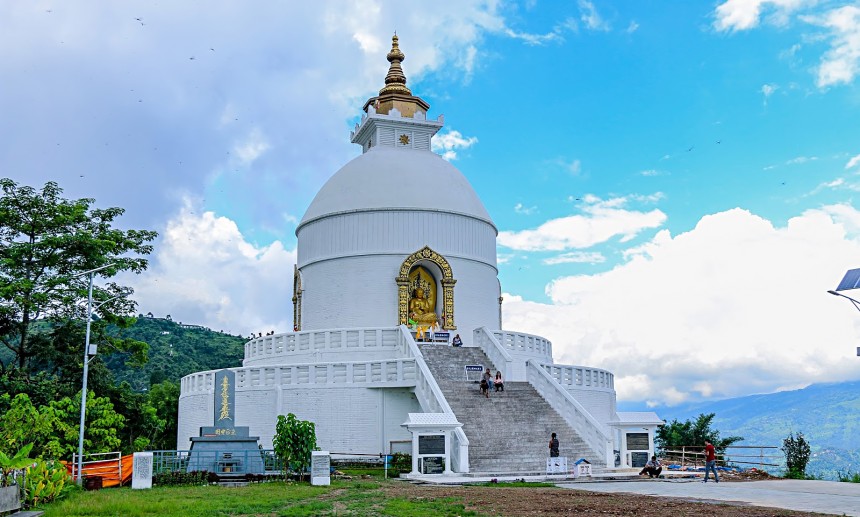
391	372
433	401
580	376
525	343
332	340
591	432
500	357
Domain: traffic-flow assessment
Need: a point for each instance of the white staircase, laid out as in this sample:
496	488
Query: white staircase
509	432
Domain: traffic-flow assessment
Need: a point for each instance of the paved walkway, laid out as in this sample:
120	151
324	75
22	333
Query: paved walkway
806	496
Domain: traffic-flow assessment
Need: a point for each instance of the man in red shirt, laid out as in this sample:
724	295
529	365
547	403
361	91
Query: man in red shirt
710	462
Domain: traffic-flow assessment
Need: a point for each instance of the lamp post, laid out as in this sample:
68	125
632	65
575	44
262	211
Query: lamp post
853	301
91	272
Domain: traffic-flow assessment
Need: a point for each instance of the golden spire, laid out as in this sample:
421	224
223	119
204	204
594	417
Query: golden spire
395	81
395	94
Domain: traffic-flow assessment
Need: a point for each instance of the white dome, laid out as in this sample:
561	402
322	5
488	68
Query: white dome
387	178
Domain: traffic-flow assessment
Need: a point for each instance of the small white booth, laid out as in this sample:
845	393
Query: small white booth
636	438
431	442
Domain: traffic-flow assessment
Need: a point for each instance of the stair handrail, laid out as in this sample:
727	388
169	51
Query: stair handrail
430	396
494	350
592	433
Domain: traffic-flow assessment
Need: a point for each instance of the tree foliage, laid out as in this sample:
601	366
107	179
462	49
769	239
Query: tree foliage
294	441
692	432
45	241
797	452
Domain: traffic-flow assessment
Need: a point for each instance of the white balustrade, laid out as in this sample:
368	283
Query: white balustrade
394	372
530	344
580	377
331	340
592	433
500	357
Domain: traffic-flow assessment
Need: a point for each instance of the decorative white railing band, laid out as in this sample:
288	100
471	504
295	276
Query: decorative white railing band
582	377
571	410
526	343
393	372
500	357
432	400
332	340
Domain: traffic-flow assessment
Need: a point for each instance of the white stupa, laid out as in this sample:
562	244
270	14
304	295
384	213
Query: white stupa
396	241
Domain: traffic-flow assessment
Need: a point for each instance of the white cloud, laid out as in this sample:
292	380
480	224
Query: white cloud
448	143
738	15
767	90
841	63
574	167
204	271
651	172
732	307
252	147
602	221
591	18
576	257
632	27
852	162
524	210
801	159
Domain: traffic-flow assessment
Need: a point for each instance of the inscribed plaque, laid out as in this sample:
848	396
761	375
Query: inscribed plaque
142	473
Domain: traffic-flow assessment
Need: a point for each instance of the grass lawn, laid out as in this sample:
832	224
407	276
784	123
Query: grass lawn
354	497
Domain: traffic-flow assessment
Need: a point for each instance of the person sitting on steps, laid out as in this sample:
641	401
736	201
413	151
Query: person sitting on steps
498	382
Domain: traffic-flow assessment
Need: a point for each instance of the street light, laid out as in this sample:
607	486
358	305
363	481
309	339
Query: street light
851	280
91	272
855	302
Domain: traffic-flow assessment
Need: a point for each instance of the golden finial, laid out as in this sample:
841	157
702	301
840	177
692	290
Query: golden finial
395	94
395	81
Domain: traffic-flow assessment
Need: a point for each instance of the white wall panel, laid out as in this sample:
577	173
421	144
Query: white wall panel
362	292
195	411
396	231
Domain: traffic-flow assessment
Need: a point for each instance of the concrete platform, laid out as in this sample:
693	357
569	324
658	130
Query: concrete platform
829	497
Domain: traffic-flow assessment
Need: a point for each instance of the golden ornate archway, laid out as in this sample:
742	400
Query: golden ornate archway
426	254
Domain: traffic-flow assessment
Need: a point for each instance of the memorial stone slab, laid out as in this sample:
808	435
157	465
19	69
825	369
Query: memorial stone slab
320	468
142	474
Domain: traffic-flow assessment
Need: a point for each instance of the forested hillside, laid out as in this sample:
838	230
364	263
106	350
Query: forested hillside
175	350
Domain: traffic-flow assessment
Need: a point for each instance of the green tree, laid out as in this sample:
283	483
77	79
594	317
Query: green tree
692	432
45	240
22	423
294	441
164	399
103	427
797	452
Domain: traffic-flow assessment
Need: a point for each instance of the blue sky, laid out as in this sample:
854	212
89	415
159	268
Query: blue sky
674	182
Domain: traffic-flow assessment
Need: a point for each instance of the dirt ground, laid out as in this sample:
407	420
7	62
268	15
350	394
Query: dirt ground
530	502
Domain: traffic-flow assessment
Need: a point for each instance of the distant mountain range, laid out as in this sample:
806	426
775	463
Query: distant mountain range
828	415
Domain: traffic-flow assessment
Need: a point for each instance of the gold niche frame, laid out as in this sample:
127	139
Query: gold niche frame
448	281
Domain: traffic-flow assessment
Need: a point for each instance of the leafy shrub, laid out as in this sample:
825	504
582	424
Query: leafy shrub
401	462
294	441
8	466
45	482
196	477
848	477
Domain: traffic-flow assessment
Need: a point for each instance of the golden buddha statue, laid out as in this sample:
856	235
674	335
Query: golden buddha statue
421	311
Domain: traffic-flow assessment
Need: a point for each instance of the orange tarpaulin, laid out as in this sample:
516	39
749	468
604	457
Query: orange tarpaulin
113	472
